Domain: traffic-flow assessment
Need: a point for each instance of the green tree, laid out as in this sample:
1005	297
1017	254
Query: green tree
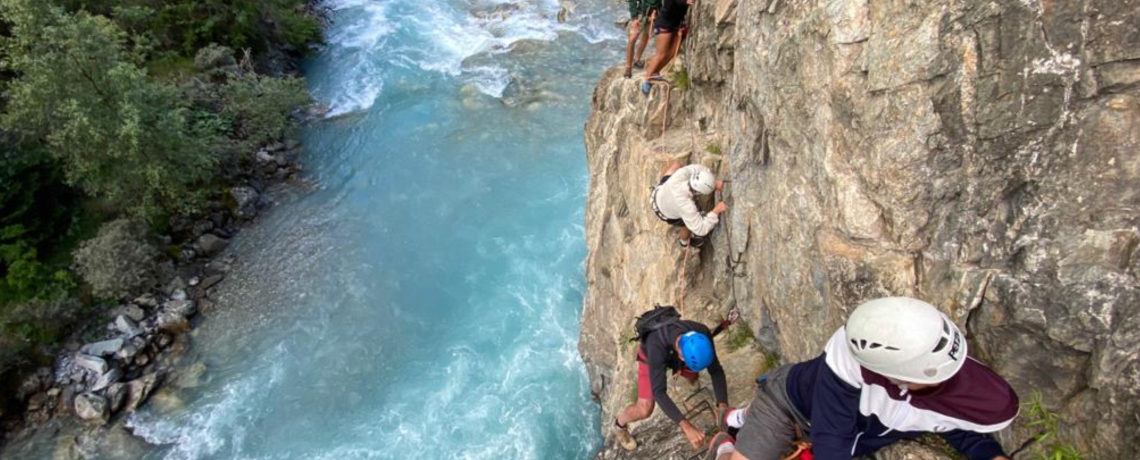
184	26
250	109
80	91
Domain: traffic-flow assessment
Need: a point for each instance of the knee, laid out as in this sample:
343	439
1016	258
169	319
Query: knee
644	408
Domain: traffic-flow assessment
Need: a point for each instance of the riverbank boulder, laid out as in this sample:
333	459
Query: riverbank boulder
243	202
210	244
92	408
139	390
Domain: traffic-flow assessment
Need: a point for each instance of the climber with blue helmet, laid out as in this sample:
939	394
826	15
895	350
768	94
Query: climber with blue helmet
686	348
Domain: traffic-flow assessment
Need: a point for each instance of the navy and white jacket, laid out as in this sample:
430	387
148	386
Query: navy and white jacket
853	411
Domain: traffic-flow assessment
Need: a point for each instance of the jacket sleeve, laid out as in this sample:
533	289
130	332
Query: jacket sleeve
975	446
655	359
699	224
834	409
719	382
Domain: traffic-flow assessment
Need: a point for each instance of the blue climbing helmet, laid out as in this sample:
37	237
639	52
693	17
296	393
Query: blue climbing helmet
696	350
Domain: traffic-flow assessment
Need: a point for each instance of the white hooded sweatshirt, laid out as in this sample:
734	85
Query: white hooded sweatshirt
675	201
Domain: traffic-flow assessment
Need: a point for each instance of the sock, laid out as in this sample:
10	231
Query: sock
735	417
725	449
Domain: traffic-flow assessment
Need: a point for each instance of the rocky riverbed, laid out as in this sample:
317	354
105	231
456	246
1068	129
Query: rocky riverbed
101	380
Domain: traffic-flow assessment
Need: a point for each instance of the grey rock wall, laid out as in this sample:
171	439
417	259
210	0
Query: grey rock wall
983	156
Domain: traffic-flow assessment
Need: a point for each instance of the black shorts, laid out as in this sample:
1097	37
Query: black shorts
671	16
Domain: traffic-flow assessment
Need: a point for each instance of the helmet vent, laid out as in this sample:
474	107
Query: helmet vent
863	345
941	344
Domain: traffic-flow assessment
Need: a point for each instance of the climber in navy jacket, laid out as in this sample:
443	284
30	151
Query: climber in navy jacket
897	370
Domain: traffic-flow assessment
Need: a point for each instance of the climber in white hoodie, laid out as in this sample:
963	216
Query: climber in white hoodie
674	201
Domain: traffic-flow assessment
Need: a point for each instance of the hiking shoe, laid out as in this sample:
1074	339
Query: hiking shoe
717	441
639	64
646	87
624	438
732	420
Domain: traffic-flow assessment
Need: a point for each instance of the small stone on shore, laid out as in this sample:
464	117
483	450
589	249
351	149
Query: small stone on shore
92	363
104	348
211	244
105	380
92	408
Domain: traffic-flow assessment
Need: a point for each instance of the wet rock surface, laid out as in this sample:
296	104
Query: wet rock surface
982	156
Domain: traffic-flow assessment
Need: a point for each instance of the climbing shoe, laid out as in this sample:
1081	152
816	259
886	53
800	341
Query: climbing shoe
646	87
694	241
624	438
719	440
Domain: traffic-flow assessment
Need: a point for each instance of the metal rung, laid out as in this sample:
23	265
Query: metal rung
701	407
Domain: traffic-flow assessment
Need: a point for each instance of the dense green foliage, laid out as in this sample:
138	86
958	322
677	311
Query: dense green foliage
182	27
115	108
118	134
118	262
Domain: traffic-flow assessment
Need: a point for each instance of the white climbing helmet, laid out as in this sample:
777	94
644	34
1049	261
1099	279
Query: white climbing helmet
906	339
703	181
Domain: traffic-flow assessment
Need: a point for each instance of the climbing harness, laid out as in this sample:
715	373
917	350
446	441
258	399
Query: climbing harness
656	209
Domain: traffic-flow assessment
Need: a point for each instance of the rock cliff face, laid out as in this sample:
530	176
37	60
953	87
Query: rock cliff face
982	156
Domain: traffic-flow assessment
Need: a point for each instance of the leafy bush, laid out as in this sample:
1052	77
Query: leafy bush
259	108
739	336
34	202
119	134
1049	444
250	110
119	262
27	279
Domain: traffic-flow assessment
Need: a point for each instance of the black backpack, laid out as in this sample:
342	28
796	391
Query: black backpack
653	320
